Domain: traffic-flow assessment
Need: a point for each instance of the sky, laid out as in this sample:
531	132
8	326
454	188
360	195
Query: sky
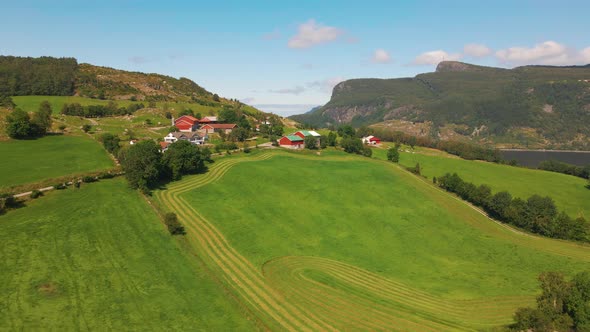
286	56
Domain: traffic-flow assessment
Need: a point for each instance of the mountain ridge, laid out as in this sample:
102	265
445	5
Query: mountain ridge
540	106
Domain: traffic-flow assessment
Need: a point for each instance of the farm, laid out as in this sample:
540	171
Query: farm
358	243
108	265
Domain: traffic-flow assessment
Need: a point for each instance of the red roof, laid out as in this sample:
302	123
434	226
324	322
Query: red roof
374	139
186	118
219	126
163	145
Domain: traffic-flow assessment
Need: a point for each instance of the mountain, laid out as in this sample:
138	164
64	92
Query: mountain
20	76
529	106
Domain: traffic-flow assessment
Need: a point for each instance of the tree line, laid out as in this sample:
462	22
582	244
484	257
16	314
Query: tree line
564	305
20	76
565	168
96	111
537	214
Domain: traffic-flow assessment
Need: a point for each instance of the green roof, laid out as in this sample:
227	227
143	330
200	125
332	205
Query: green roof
294	138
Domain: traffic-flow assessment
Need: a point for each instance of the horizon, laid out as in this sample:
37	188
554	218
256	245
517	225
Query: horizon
287	57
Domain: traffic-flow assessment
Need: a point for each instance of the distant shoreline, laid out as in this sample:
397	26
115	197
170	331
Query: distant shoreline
544	150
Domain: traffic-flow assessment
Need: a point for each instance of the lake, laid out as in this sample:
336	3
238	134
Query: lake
532	158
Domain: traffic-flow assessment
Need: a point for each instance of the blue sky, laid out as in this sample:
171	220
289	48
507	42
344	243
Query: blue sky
285	56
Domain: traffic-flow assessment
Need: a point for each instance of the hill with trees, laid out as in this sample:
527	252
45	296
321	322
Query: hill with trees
49	76
529	106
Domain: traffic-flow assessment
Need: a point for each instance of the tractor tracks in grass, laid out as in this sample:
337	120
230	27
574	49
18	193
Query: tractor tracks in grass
312	293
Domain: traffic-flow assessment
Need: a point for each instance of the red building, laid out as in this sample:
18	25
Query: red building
217	127
186	123
291	141
371	140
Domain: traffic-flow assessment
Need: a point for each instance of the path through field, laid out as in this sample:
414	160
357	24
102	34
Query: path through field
313	293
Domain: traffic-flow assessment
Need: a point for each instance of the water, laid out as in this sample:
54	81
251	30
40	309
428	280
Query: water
532	158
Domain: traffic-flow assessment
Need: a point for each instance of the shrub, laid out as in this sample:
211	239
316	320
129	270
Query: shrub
88	179
174	226
86	128
77	184
106	175
36	194
7	201
62	127
59	186
367	152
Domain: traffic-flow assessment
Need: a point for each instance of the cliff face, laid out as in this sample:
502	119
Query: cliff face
551	102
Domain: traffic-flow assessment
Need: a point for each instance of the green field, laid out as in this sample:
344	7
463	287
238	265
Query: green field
569	192
359	243
28	161
98	258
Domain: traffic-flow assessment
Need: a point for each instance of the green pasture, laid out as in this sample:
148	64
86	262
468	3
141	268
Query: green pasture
569	192
27	161
99	258
378	217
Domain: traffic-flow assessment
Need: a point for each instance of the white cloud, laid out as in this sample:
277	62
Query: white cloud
285	109
311	33
247	100
477	50
381	56
434	57
545	53
291	91
325	85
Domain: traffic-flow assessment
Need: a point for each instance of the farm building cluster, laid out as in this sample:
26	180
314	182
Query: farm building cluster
296	140
195	130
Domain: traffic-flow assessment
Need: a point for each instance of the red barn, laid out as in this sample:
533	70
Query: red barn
371	140
186	123
291	141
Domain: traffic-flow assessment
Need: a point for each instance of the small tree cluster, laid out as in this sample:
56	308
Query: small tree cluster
536	214
174	226
562	306
95	111
19	125
110	142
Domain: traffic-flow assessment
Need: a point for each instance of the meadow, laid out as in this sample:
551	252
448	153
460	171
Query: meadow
353	242
28	161
99	258
568	192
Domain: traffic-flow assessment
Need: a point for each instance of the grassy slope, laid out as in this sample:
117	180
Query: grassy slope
376	217
569	192
25	161
104	262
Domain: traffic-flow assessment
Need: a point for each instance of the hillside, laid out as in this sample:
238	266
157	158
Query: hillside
530	106
48	76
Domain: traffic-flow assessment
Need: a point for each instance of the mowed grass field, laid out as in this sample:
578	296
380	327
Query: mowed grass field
350	242
98	258
569	192
28	161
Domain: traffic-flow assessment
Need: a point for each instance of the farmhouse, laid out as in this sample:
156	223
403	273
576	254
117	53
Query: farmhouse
306	133
186	123
193	137
218	127
291	142
371	140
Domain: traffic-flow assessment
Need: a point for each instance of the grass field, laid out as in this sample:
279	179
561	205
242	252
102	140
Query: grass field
27	161
569	192
315	242
98	258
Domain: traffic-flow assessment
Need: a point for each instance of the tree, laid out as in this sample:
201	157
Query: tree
499	204
18	124
142	163
331	139
42	118
227	115
346	131
183	158
6	101
310	142
364	131
393	155
351	144
110	142
240	134
216	97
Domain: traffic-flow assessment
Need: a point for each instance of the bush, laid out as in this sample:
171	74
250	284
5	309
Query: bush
106	175
88	179
36	194
60	186
393	154
86	128
310	142
367	152
174	226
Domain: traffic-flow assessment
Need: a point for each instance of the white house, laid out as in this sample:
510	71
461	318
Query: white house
193	137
